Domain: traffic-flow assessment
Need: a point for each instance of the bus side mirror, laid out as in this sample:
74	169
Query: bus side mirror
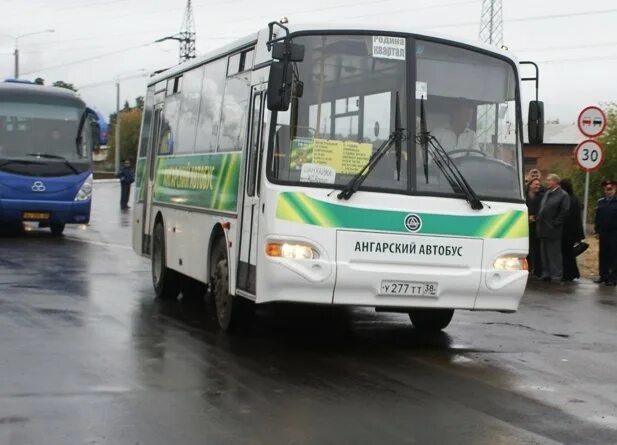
95	131
291	52
535	122
279	86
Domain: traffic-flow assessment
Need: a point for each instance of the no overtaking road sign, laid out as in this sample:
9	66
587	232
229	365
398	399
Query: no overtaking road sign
592	121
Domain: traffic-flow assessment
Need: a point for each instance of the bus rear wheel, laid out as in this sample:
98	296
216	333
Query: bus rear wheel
431	320
166	281
232	312
57	228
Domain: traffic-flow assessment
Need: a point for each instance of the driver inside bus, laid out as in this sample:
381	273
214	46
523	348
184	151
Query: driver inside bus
456	135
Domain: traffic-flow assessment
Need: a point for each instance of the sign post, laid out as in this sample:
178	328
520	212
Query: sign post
589	154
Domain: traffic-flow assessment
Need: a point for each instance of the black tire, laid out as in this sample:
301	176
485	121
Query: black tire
166	281
57	229
232	312
431	320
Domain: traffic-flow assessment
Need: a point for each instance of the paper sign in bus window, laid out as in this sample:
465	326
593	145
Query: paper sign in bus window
345	157
301	153
316	173
421	90
387	47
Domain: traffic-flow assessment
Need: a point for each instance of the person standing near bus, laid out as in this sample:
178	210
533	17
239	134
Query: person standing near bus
127	177
554	209
606	231
572	233
533	197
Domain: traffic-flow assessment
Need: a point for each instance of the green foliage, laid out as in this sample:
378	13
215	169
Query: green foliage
130	125
608	170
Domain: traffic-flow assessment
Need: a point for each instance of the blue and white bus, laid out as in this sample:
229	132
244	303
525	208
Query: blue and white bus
46	140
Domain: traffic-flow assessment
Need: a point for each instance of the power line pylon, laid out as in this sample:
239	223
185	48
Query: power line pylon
491	23
186	36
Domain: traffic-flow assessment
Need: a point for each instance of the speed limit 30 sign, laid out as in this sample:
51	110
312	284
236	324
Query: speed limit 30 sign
589	155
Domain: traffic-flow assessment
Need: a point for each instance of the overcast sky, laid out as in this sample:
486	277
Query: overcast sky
98	41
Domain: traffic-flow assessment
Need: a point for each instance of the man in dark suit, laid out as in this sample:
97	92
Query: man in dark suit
554	208
606	231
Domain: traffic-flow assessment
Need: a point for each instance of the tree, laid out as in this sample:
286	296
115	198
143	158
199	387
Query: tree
139	102
62	84
39	81
608	170
130	125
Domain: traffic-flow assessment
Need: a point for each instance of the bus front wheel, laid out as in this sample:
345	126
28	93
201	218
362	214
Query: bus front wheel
165	280
232	312
56	228
431	320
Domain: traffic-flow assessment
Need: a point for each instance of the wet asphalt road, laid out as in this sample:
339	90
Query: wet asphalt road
87	356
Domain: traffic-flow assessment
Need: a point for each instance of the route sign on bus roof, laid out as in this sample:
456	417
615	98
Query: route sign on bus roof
589	155
592	121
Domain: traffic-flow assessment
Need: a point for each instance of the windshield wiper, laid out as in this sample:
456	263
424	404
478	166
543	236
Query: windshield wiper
50	156
444	162
396	138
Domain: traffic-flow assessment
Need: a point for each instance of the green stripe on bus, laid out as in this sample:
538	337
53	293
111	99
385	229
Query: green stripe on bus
208	181
299	208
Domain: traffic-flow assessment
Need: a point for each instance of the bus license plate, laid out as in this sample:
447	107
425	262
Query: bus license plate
36	216
408	288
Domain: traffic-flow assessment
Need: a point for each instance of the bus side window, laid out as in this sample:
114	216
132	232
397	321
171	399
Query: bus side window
212	89
235	110
189	110
147	123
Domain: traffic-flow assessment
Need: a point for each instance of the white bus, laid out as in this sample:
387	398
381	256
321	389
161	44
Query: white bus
337	166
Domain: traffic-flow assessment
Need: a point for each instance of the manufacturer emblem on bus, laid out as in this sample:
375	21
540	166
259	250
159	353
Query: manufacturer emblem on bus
413	223
38	186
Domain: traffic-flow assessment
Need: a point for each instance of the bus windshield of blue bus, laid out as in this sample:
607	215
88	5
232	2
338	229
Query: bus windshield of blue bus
47	129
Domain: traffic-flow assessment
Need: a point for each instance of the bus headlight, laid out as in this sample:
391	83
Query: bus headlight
291	251
85	191
510	263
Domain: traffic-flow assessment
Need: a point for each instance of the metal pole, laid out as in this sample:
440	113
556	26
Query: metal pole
16	53
117	130
585	203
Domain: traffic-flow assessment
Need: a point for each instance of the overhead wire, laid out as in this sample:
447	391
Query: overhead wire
529	18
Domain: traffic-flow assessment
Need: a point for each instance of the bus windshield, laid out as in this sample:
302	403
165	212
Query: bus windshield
346	110
28	128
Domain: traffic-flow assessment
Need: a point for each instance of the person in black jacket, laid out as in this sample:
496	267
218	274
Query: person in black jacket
126	177
554	208
606	231
533	195
572	233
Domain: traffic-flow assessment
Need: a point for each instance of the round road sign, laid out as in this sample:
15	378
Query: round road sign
589	155
592	121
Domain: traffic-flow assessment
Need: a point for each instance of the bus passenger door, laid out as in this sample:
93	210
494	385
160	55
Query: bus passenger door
247	266
150	179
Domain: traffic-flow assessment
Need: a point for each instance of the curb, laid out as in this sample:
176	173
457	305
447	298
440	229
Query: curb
103	181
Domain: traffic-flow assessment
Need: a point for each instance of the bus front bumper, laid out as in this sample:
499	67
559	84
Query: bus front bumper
58	212
398	271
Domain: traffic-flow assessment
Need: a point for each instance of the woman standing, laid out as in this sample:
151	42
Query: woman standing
534	199
572	233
